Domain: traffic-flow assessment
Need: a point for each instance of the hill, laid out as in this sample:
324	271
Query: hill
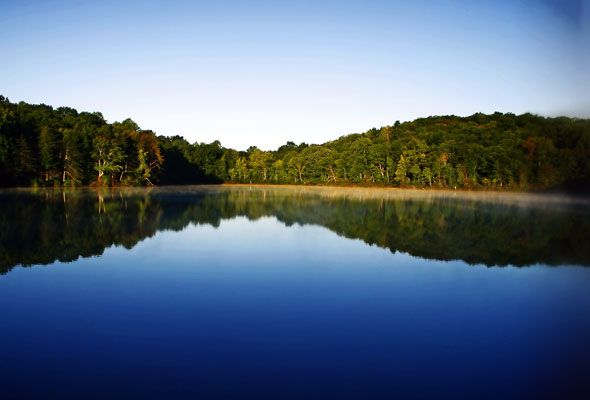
42	145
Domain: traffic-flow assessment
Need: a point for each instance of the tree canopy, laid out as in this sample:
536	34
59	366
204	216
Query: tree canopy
40	145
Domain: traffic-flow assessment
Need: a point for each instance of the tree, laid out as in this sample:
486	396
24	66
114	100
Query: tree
25	160
360	160
278	173
260	162
47	146
49	152
148	155
401	171
297	164
107	155
240	172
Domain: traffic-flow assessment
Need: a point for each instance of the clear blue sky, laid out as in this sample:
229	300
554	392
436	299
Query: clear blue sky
265	72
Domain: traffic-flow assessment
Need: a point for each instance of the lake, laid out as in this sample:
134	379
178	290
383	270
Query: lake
303	293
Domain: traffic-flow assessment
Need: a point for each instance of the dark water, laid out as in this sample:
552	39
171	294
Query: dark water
293	293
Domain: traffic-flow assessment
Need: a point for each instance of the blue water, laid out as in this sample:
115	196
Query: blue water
253	308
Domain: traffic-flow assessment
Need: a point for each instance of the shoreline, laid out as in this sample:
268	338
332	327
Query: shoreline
495	196
523	199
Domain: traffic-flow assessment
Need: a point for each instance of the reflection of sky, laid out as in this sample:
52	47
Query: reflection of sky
266	72
259	305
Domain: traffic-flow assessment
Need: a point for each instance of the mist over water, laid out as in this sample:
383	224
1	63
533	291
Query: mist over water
262	292
494	229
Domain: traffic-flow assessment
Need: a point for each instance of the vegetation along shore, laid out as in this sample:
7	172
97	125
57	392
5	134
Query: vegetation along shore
45	146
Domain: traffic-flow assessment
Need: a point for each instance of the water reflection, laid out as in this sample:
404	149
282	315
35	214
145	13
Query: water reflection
40	227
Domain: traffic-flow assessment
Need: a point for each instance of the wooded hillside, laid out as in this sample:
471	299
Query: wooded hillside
42	145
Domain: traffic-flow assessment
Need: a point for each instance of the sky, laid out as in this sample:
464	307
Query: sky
265	72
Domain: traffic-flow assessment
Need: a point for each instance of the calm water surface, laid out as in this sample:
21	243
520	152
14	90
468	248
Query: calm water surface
293	293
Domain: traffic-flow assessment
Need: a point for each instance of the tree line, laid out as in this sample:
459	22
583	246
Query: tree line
43	146
40	145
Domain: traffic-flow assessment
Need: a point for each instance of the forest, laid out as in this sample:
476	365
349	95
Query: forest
45	146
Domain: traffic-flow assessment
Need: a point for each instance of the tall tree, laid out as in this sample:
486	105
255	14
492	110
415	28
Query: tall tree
107	154
50	152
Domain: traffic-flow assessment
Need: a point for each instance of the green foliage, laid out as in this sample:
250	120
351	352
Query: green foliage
40	145
107	154
499	151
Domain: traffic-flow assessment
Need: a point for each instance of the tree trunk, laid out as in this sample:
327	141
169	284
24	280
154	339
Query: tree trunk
63	177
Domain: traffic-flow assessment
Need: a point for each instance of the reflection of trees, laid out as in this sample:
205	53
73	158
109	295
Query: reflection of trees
42	227
49	226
